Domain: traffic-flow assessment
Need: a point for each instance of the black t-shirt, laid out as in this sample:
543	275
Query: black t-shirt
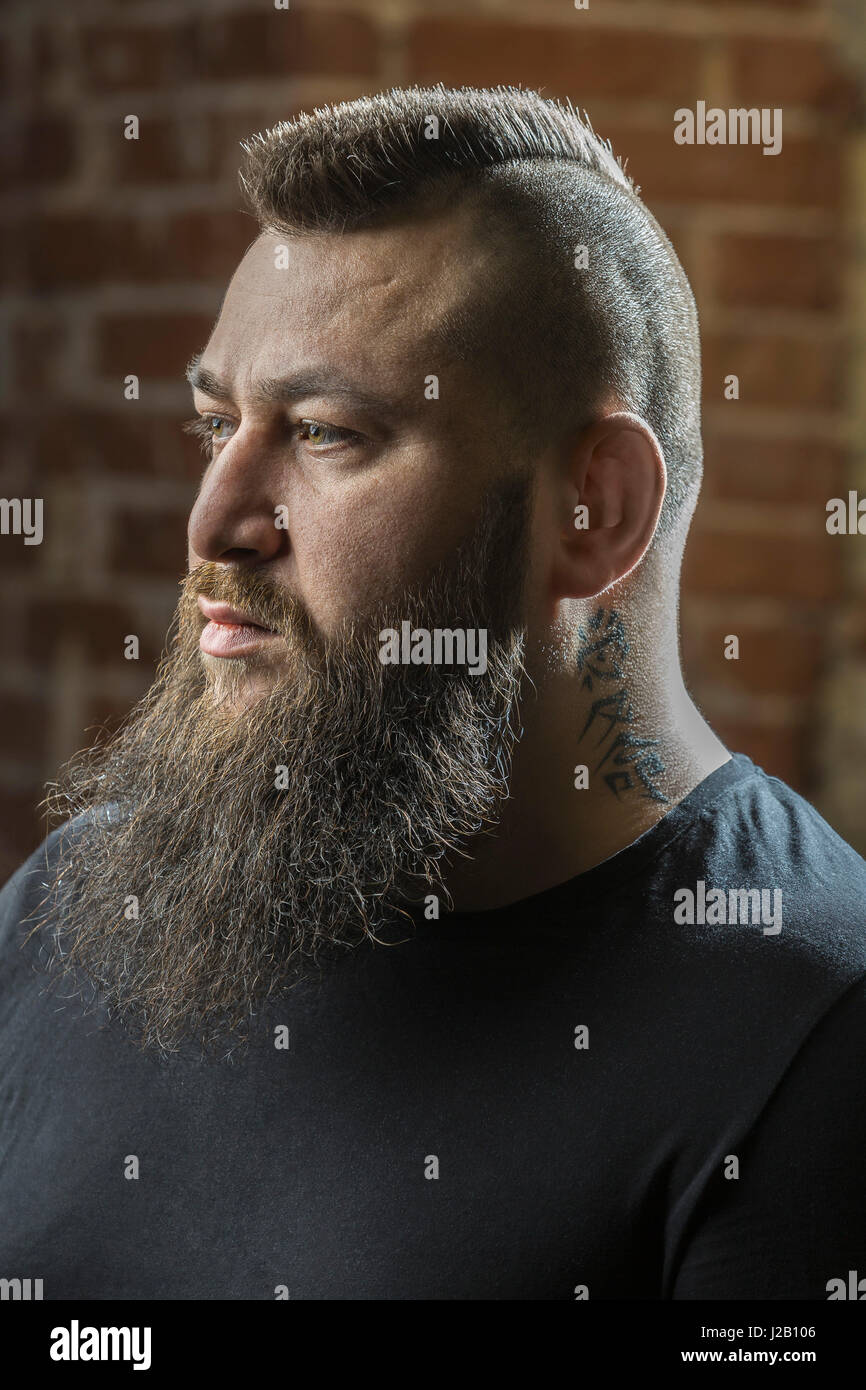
582	1094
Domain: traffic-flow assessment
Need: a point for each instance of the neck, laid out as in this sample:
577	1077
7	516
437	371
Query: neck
612	742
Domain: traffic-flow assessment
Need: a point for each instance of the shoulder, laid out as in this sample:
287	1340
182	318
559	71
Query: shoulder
770	927
25	894
27	890
762	837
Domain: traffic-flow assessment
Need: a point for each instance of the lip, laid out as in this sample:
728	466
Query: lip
230	631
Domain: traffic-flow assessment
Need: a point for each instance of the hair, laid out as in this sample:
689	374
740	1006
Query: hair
558	342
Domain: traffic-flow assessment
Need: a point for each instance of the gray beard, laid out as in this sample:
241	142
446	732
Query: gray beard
218	855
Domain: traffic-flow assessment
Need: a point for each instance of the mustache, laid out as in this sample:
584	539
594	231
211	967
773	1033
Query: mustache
267	603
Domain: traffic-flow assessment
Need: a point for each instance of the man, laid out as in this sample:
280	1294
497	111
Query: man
417	938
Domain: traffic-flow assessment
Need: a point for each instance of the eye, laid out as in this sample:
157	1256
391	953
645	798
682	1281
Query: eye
217	423
206	429
216	429
317	433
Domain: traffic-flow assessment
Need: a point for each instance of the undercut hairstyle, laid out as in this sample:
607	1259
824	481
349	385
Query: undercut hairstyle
558	343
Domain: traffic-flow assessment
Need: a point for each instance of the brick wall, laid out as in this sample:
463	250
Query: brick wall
115	254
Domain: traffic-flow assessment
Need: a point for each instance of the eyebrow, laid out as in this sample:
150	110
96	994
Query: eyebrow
314	381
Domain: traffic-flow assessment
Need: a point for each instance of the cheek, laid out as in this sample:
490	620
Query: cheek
368	546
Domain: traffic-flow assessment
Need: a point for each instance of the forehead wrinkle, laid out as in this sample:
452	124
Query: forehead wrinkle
434	312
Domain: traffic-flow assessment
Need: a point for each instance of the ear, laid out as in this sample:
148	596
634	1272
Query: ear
615	470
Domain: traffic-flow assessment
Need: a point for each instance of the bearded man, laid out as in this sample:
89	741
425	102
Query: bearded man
358	970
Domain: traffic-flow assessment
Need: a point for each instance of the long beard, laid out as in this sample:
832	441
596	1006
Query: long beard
221	850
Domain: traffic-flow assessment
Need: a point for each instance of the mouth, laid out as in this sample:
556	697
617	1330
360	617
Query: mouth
229	631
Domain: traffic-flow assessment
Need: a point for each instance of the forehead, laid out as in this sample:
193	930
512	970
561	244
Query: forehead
377	297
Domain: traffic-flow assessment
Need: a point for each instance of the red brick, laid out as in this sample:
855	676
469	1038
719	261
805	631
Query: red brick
854	628
81	249
50	49
98	625
22	726
21	826
38	345
808	172
13	248
16	431
17	560
149	542
777	271
774	370
166	151
575	61
85	249
782	72
780	751
203	245
746	5
37	151
123	56
80	441
285	42
764	565
772	661
150	345
772	470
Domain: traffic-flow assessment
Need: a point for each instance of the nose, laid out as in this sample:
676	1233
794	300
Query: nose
236	512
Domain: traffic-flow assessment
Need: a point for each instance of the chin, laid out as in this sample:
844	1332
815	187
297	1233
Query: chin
237	683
